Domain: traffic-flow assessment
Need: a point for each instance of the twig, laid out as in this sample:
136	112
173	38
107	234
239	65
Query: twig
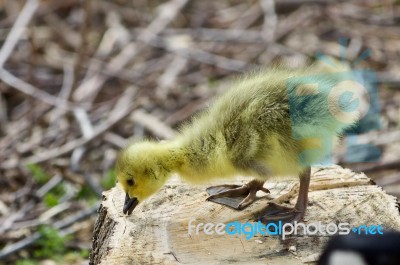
154	125
116	140
116	33
168	78
375	138
387	78
124	100
270	20
187	111
388	180
379	138
84	33
68	147
26	242
53	211
9	222
34	92
96	65
295	3
4	210
167	12
43	218
3	113
295	20
18	28
205	57
216	35
378	167
76	157
84	122
66	89
248	17
66	34
54	181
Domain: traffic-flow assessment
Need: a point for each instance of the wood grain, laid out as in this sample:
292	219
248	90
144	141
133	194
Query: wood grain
157	231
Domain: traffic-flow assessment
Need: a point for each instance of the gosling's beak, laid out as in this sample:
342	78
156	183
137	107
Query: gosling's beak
130	204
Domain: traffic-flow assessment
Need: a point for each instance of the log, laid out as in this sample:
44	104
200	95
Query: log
157	231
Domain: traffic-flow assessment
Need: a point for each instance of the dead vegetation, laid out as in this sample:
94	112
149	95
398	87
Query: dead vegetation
78	78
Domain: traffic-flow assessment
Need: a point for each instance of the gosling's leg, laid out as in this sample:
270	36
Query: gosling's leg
235	196
275	212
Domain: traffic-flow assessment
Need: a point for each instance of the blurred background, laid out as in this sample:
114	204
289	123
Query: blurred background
79	78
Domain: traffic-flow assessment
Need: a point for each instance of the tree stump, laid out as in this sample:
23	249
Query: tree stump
157	230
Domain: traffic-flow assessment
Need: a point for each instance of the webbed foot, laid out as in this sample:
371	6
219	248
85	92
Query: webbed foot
274	213
235	196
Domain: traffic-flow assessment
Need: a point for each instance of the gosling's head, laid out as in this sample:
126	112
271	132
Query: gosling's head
141	169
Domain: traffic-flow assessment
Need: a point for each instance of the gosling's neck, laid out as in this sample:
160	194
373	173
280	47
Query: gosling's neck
195	165
178	158
170	156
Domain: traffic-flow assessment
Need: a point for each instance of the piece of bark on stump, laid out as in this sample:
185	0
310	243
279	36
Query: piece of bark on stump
157	230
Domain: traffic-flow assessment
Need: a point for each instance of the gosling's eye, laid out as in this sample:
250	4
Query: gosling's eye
130	182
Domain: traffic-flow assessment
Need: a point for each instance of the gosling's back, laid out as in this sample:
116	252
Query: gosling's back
270	117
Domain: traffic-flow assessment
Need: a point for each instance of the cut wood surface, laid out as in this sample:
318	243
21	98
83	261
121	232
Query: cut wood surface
157	230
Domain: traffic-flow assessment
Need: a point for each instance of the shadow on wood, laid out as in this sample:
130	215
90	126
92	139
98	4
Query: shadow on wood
157	230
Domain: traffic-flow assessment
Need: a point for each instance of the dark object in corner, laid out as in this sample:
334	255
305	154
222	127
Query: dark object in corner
363	250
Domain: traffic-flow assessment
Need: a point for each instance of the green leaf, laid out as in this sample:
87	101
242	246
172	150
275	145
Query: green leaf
108	181
27	262
51	200
51	243
38	173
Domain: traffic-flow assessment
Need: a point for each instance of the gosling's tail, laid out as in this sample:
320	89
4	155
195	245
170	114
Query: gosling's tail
321	107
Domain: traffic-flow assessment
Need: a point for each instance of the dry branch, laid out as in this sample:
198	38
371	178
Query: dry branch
18	28
68	147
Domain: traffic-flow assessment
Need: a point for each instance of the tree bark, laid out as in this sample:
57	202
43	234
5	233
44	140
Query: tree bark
157	230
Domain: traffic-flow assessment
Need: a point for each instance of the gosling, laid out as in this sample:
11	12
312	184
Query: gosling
271	123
